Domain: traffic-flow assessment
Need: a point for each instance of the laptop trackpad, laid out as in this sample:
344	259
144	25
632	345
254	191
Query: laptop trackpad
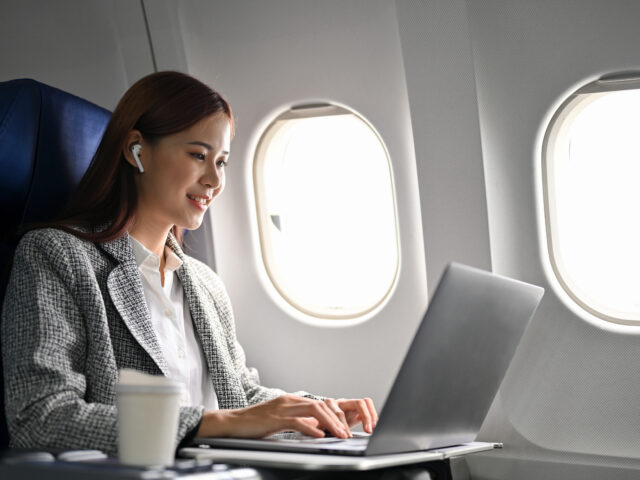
358	442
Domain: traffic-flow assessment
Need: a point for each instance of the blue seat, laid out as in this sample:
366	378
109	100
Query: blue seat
47	140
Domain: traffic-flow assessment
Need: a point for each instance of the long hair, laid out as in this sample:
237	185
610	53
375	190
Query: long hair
160	104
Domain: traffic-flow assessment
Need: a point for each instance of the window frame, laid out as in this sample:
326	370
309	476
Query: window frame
553	139
301	111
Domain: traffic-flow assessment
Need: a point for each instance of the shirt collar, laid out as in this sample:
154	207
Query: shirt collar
146	258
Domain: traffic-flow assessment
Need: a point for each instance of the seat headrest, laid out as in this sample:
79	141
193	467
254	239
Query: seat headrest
47	140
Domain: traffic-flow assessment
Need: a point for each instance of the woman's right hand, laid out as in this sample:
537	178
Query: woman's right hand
285	413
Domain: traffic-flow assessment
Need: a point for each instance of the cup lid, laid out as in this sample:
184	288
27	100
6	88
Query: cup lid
128	388
132	381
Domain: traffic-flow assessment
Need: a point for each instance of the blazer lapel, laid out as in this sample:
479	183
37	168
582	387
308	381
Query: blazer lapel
125	289
213	338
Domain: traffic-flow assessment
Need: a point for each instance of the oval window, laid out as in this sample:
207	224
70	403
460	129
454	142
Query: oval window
326	212
591	178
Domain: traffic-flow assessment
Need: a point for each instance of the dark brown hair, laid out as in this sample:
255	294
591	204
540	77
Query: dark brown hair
160	104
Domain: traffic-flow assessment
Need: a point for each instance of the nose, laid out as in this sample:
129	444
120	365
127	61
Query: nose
213	178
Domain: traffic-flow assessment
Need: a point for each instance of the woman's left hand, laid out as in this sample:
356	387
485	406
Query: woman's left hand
352	412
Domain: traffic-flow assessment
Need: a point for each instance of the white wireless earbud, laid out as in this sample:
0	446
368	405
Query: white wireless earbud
135	150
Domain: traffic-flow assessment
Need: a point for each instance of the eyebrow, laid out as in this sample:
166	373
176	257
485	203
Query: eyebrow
206	145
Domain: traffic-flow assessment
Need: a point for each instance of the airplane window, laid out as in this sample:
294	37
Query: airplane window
591	171
326	212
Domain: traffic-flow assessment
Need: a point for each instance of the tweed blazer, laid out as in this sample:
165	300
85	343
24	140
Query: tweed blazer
75	313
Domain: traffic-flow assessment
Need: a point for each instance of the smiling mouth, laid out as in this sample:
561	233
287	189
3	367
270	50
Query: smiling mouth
204	201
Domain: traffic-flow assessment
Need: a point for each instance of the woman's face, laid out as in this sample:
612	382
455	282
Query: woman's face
184	172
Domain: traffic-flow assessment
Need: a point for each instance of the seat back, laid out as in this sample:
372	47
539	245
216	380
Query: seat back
47	140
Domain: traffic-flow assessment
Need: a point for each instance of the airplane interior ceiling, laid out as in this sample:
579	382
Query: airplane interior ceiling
461	92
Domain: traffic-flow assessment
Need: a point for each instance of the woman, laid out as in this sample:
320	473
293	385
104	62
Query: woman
109	287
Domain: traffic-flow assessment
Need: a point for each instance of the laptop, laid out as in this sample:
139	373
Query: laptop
442	392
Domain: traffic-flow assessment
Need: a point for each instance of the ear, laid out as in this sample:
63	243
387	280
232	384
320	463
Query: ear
133	137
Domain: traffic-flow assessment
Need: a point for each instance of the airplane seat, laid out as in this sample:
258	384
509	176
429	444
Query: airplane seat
47	140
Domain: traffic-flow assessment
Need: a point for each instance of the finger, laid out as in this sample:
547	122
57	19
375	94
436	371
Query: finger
338	427
311	421
335	408
302	425
363	411
372	411
321	412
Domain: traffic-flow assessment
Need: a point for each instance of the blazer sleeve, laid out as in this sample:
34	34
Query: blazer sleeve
44	345
256	393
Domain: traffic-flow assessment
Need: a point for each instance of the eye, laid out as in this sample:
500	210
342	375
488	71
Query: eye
199	156
222	163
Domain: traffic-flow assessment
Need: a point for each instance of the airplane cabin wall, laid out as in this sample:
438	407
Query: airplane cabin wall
440	74
571	393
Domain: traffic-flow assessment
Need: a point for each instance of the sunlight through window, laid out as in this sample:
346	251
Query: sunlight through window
326	212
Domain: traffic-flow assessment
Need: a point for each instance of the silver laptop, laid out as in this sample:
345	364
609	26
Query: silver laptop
448	379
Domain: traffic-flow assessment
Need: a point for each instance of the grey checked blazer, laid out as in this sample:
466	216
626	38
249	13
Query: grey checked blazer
75	313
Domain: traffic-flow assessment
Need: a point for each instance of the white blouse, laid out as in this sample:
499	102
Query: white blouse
172	323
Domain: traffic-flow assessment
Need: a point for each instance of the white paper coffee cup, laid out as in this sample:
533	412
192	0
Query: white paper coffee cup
148	421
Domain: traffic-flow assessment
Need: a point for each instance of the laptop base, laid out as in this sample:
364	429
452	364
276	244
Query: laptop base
313	461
